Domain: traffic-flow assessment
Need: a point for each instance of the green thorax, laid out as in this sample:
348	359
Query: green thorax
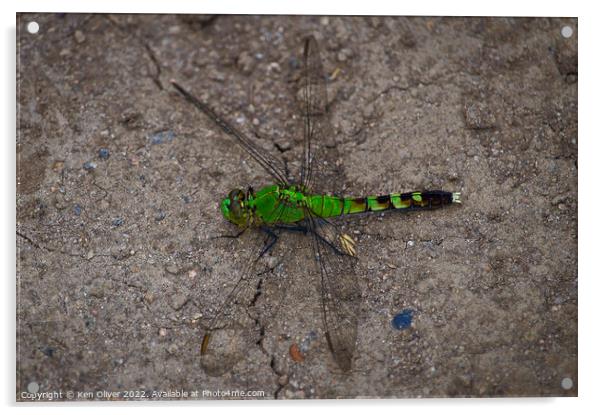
278	204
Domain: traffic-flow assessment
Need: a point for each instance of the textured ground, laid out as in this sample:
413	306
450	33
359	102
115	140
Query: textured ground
119	180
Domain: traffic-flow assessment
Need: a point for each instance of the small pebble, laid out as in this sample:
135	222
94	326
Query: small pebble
304	345
103	153
560	198
160	216
403	320
149	297
344	54
162	137
218	76
178	301
274	67
307	340
283	380
79	36
99	288
295	353
90	165
58	166
77	210
245	63
48	351
162	332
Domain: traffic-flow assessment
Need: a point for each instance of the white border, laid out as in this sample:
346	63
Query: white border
372	7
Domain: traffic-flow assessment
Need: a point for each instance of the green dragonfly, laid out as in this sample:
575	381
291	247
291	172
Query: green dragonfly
297	205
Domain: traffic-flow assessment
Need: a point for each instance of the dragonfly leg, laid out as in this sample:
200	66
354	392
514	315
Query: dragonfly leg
270	241
272	238
293	228
235	236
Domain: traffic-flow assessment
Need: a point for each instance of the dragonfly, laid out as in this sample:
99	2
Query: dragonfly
303	204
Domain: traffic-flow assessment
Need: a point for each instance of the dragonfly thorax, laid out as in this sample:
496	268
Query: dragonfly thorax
273	204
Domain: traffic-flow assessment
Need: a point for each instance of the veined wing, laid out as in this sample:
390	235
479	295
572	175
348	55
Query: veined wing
271	164
334	252
314	107
233	329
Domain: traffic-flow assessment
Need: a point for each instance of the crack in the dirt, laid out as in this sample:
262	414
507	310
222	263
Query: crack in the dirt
261	327
256	319
32	242
388	90
59	251
280	386
156	78
203	22
281	148
106	192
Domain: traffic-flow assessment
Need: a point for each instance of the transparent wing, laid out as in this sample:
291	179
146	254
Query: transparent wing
236	326
271	164
232	330
320	159
337	265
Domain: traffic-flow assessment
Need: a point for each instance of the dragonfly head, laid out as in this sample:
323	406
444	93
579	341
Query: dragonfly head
234	208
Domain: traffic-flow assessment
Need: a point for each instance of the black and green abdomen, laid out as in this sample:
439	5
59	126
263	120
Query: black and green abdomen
277	204
329	206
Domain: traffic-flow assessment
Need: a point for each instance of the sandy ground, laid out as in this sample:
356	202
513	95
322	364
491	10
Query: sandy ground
119	182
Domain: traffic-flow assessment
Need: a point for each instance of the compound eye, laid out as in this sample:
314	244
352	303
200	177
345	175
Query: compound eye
236	195
236	198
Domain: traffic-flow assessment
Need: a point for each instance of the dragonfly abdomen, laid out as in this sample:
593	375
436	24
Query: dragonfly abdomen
329	206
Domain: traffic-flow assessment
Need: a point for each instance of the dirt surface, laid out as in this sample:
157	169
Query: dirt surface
119	181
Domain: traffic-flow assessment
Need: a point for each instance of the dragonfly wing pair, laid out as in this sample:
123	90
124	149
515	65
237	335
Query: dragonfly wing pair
335	262
333	250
